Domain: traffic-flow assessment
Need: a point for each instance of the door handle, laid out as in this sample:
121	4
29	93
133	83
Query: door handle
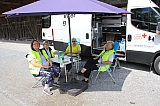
87	35
129	37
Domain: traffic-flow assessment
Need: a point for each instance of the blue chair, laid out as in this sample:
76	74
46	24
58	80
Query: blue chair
113	65
116	60
116	46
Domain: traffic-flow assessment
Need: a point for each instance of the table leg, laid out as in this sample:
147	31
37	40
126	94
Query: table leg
77	66
65	73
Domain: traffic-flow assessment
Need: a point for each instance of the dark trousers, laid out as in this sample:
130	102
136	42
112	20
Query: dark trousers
90	65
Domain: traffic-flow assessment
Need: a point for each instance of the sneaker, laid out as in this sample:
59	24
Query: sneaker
85	81
56	84
80	73
47	91
69	73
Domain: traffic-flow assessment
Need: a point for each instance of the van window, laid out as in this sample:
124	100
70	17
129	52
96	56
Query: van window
46	21
153	20
145	19
140	18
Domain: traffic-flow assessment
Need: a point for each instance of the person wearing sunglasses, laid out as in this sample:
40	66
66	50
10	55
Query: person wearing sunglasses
76	48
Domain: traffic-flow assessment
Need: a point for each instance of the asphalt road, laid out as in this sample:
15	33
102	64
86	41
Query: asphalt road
135	85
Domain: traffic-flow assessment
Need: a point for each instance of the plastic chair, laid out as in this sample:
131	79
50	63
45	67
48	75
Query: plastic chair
113	65
39	80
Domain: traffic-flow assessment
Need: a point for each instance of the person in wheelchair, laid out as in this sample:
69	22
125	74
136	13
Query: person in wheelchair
106	57
40	64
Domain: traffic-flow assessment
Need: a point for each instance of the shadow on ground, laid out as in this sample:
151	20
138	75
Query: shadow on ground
104	81
136	66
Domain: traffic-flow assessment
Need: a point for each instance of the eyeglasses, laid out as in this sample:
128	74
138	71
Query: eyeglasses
73	41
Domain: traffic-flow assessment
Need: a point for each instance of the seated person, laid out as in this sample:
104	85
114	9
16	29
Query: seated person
76	49
105	57
48	53
40	65
46	49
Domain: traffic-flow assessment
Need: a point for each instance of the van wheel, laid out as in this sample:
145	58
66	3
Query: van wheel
157	65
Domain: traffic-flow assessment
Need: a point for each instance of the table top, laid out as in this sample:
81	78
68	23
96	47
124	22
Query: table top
65	62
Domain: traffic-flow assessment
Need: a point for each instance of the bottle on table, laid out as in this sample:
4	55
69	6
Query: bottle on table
62	57
59	54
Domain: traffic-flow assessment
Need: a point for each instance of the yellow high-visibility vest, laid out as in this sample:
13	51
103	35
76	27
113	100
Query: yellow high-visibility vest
46	54
33	69
105	56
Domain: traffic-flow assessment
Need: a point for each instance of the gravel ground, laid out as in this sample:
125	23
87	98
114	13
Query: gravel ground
134	86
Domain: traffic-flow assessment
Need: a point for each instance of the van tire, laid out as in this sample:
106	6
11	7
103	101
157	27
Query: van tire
157	65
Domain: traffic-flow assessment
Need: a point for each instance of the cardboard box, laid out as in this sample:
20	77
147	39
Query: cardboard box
110	37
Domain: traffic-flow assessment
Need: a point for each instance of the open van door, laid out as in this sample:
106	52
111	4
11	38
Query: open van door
158	32
157	36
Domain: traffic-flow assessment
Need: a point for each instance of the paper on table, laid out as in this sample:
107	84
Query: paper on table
67	57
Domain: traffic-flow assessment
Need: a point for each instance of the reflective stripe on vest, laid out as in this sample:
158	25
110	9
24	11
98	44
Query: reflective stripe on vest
101	52
44	51
52	53
33	69
45	54
105	58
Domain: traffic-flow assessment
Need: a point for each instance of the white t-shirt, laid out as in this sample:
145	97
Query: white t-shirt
111	57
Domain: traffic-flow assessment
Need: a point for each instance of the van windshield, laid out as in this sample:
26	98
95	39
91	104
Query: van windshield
158	10
46	21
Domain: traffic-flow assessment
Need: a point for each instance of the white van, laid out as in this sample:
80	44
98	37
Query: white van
136	32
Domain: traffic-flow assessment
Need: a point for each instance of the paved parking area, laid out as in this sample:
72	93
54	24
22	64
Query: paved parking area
135	84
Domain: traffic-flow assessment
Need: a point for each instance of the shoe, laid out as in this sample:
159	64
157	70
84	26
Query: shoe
69	73
47	91
85	81
80	73
56	84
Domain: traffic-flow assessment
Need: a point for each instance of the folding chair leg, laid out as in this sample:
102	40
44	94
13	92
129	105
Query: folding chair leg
113	69
35	85
38	82
97	76
81	63
77	64
111	76
118	64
